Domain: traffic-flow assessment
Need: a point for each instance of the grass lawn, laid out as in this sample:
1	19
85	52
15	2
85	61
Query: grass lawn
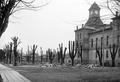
69	74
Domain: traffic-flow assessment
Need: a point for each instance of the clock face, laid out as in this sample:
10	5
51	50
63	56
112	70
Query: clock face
96	12
91	12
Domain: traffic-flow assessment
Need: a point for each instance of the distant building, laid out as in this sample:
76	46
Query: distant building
94	33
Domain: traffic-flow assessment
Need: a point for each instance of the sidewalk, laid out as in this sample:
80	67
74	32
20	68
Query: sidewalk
9	75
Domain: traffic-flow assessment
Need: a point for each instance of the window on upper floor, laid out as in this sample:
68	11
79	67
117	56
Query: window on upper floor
96	42
91	42
107	41
107	54
80	35
101	41
77	36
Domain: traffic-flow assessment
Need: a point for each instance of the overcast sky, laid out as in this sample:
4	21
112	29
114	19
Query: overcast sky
51	25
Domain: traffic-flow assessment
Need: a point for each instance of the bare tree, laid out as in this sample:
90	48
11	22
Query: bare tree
8	7
58	55
51	56
2	55
16	42
34	47
99	52
41	52
62	53
11	45
47	56
113	51
6	49
72	51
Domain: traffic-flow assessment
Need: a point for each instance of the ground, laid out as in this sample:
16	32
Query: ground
69	74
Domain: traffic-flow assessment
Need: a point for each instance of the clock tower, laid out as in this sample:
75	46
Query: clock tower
94	11
94	16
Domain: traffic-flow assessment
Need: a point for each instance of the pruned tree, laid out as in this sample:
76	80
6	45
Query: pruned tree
58	55
34	47
2	55
113	51
8	7
10	53
61	53
72	51
47	56
51	56
79	50
16	42
99	52
41	52
6	49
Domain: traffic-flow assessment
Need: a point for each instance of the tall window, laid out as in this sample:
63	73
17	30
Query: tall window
107	43
80	35
91	42
101	41
107	54
96	42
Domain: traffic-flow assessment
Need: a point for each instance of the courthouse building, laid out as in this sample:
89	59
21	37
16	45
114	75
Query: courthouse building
94	33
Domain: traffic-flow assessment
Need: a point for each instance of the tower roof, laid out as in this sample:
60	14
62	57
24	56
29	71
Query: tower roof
94	21
94	6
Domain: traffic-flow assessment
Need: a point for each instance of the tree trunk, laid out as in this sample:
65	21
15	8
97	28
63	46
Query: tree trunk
81	59
10	59
113	62
100	62
72	62
33	60
50	61
62	61
15	57
15	61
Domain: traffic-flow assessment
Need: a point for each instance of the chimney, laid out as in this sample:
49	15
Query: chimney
82	25
77	27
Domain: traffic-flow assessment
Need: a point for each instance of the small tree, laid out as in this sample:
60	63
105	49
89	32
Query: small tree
100	55
113	51
41	52
58	56
6	49
2	55
11	45
16	42
61	53
72	51
47	56
51	56
33	53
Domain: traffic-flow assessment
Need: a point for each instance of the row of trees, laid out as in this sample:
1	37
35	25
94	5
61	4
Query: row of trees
59	54
74	48
9	49
113	48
